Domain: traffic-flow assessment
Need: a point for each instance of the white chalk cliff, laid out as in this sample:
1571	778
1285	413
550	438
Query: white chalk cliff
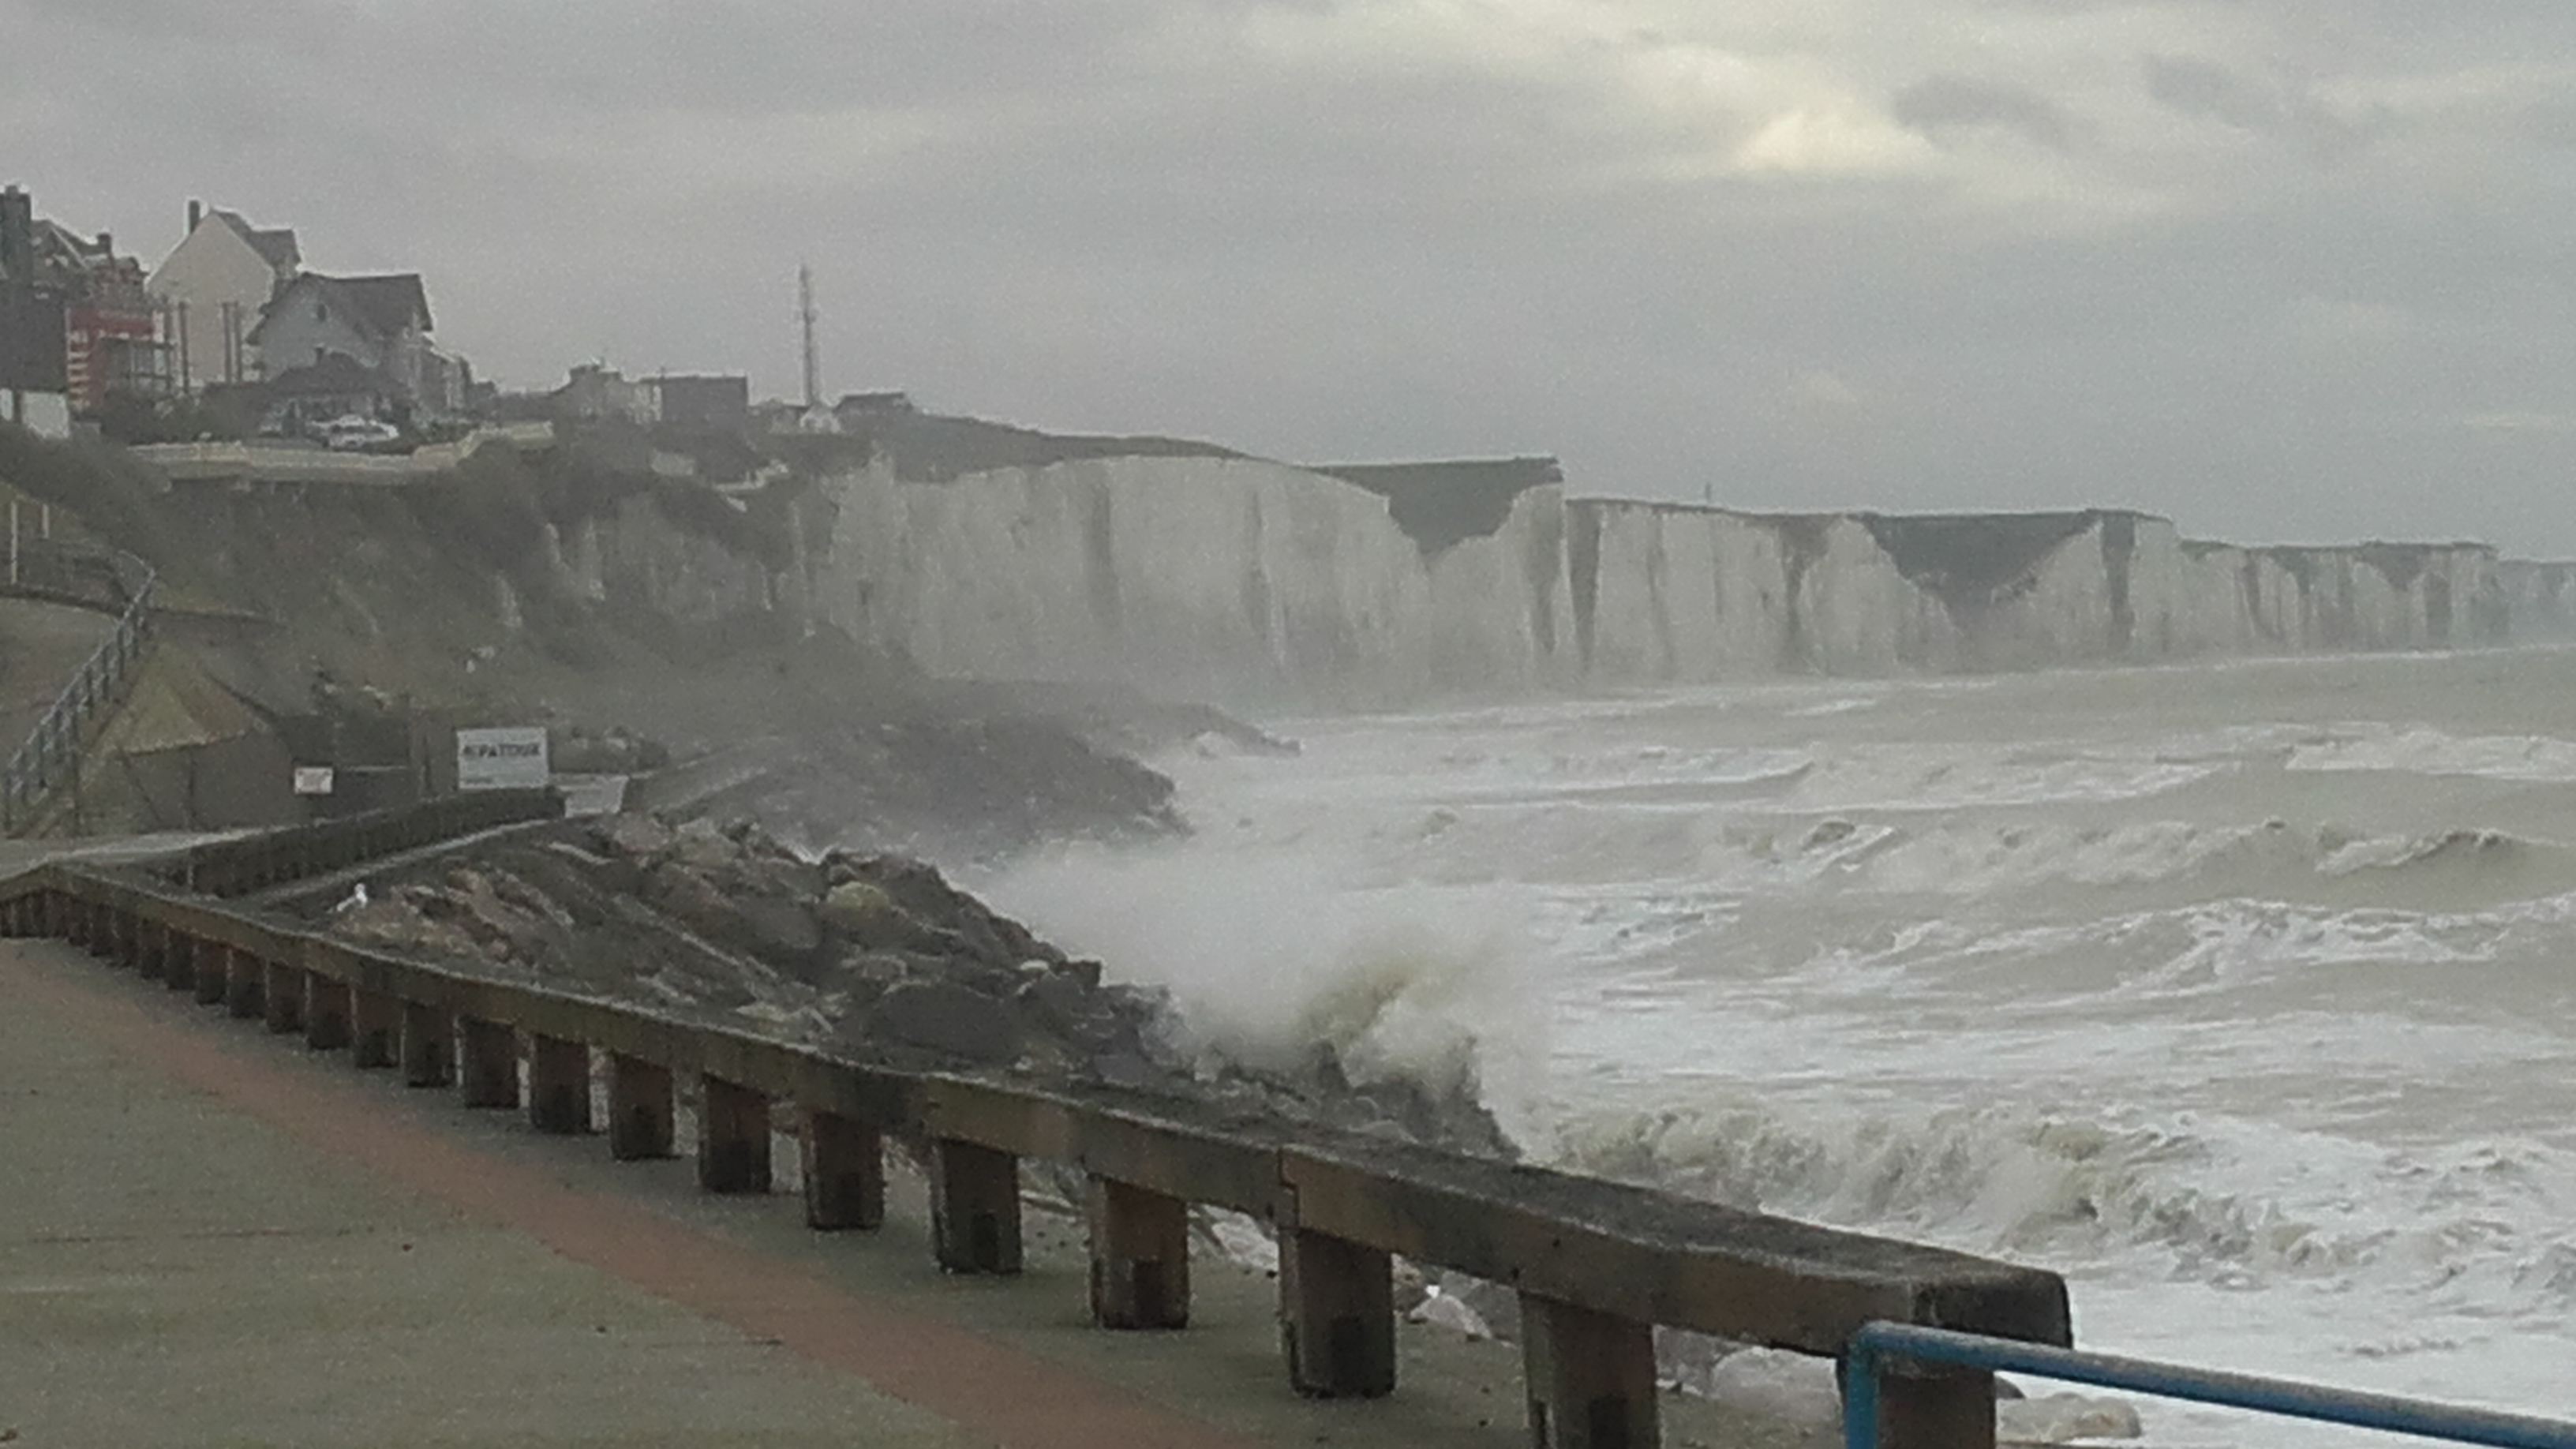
1208	573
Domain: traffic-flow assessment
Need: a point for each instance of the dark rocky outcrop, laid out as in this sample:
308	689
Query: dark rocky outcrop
1972	561
1441	505
933	448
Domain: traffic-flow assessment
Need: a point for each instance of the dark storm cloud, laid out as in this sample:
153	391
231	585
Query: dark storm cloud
2275	268
2201	89
1943	105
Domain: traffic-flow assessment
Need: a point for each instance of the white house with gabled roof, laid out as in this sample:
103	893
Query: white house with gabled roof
213	287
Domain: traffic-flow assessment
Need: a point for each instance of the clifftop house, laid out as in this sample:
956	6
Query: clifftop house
76	323
380	322
213	287
695	402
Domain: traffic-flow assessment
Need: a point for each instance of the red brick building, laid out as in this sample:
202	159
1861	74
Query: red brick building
78	318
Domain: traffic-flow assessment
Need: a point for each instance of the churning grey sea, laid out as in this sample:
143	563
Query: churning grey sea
2244	994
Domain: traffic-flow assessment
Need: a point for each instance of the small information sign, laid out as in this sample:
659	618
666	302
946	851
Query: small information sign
512	758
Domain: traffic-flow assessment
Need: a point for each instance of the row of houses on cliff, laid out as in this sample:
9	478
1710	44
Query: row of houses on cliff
231	317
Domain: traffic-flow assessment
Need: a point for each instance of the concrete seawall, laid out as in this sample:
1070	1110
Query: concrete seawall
1596	1265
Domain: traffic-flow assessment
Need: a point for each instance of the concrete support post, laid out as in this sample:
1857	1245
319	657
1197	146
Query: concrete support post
974	1207
214	972
282	998
558	1085
1590	1377
78	919
844	1162
245	983
1930	1409
487	1063
1140	1257
1336	1316
733	1137
375	1028
147	938
639	1109
428	1046
124	939
326	1012
179	956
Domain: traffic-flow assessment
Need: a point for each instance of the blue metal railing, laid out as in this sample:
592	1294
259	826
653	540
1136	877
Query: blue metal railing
1877	1343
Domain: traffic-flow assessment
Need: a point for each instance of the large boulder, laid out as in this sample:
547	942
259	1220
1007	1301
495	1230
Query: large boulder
864	915
944	1017
920	892
781	930
632	837
701	847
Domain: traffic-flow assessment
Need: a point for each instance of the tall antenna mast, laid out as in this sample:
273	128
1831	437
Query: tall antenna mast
813	353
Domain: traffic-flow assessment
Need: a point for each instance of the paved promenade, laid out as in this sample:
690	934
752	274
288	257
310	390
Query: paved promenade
210	1236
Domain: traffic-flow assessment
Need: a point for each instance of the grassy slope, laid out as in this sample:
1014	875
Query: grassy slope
411	594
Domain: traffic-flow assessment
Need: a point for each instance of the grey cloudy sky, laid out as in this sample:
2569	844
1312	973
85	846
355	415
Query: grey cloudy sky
2281	269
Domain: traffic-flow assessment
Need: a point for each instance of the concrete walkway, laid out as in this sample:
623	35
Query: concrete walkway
210	1236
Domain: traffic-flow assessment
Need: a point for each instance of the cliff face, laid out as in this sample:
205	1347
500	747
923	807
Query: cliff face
713	566
2540	598
1205	575
1223	576
1667	593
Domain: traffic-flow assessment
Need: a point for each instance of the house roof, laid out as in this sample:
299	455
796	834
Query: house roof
388	304
275	247
60	256
383	305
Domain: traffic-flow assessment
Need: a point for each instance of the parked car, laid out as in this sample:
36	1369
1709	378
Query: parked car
356	434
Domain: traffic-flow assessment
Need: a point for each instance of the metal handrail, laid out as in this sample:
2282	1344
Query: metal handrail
53	746
1878	1343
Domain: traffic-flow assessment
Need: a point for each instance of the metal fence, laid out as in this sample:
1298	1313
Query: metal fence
1875	1346
52	750
82	574
256	862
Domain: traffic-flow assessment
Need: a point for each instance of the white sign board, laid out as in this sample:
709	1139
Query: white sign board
313	779
502	759
592	794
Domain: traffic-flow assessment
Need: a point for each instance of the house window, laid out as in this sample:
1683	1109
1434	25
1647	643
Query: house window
319	315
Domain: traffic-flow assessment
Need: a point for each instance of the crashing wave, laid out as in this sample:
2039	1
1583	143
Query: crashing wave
2007	1182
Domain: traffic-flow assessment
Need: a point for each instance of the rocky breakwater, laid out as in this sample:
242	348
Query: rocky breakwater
878	957
875	956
